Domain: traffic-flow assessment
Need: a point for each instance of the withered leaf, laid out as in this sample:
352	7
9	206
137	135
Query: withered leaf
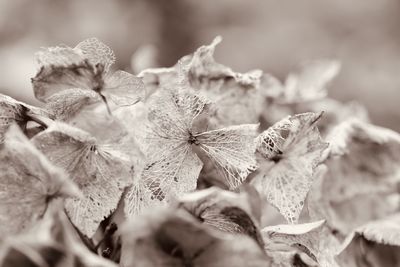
291	149
101	172
28	183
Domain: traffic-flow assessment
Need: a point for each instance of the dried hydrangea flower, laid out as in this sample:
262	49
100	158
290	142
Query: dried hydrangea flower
173	165
86	67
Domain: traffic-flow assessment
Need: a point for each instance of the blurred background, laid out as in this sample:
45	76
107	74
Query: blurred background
272	35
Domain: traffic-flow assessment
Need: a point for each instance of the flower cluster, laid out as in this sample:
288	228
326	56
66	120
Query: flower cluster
192	165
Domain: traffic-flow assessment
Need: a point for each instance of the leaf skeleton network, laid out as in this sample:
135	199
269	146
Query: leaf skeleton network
193	165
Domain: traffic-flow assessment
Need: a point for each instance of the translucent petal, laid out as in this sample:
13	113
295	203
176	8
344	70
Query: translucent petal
232	149
310	82
124	89
101	172
238	96
336	112
84	67
58	56
238	101
172	168
52	79
172	171
157	78
291	150
172	113
139	198
67	104
97	53
202	63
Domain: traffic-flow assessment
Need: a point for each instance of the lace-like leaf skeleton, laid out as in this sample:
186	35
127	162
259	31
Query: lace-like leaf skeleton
290	151
101	172
172	164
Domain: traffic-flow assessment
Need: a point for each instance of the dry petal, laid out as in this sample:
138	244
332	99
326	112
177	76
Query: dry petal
100	171
291	150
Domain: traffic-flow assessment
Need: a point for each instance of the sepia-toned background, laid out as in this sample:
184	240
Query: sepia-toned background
272	35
